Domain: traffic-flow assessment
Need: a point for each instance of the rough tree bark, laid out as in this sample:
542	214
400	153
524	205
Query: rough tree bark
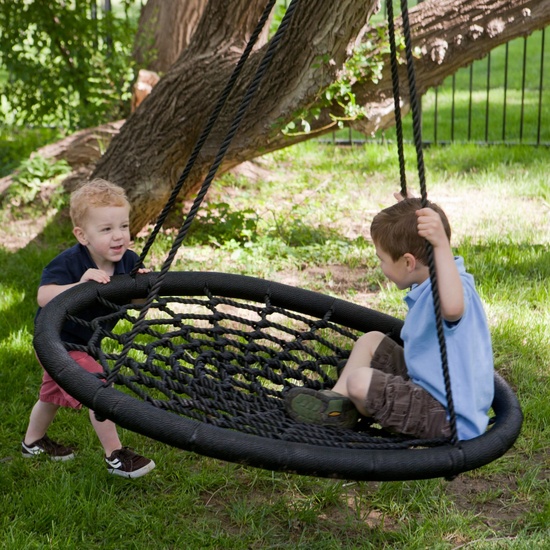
151	166
149	153
165	29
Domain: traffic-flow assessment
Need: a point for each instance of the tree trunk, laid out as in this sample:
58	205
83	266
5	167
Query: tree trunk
148	155
165	29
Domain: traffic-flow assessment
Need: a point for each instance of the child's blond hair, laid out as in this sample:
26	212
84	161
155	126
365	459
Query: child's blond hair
94	194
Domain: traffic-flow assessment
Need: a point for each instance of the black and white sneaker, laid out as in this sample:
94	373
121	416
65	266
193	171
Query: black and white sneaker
124	462
46	446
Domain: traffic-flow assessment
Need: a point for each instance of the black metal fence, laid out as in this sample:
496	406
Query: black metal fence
503	98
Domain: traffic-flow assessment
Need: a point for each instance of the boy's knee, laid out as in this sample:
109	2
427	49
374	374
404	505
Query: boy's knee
370	341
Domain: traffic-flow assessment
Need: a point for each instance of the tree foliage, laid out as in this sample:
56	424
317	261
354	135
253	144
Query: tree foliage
67	63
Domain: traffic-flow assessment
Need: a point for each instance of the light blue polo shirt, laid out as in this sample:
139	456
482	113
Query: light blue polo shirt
469	352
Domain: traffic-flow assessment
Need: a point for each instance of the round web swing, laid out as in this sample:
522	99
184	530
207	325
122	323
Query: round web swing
204	362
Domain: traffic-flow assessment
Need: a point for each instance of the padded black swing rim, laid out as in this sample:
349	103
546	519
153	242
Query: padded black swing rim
229	445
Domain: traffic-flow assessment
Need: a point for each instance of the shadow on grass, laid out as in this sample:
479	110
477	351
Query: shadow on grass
20	273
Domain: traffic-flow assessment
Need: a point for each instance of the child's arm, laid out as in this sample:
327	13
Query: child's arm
46	293
451	293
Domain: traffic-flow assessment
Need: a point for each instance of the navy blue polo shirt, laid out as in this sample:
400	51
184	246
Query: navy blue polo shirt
67	268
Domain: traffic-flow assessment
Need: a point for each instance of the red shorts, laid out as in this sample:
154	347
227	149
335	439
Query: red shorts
51	392
397	403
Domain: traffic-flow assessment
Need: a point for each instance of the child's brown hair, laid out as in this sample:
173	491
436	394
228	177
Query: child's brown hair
394	229
96	193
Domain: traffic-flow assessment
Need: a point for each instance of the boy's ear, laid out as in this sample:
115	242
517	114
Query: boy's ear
410	262
78	232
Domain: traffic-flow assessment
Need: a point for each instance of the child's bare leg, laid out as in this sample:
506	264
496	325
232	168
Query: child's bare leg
339	406
41	417
355	379
107	433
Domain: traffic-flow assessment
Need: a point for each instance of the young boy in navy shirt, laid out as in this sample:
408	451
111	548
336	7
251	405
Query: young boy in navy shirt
402	388
100	213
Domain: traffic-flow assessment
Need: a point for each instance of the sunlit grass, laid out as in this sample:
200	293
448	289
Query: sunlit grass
314	215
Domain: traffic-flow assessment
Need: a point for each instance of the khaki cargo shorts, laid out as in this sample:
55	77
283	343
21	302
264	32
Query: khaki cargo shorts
398	404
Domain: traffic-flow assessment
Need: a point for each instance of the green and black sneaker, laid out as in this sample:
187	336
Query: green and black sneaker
321	407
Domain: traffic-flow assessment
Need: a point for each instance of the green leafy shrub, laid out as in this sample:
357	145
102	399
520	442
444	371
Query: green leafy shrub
68	65
17	143
219	224
34	174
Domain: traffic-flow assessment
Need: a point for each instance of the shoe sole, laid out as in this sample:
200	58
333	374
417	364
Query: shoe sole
54	458
132	475
314	407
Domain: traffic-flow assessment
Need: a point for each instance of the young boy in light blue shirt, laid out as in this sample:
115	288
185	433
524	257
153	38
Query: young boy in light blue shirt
402	387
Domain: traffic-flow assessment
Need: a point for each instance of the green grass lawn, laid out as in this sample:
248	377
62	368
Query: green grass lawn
306	224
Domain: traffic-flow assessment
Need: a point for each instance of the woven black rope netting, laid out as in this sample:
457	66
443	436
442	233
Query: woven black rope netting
227	362
210	367
203	361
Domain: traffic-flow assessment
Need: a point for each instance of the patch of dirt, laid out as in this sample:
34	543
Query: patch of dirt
497	501
493	500
16	234
334	279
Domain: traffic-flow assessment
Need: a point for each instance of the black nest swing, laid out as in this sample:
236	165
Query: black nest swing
204	362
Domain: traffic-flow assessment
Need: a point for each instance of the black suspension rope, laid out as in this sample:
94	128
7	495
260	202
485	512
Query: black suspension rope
204	134
396	99
245	103
210	365
417	135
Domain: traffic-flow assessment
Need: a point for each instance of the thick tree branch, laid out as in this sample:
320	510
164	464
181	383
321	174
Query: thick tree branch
149	154
450	36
